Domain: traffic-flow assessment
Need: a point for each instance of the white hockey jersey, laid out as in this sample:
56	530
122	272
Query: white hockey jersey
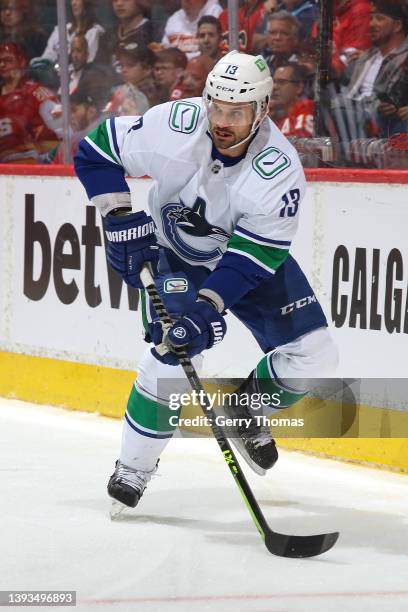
201	206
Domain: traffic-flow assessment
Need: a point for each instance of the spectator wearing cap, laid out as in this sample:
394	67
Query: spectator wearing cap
192	82
82	21
377	70
26	108
85	115
369	104
18	24
291	111
306	12
136	67
209	37
181	28
283	40
132	28
168	69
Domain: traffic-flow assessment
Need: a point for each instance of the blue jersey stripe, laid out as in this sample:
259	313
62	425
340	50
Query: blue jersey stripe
262	238
97	174
114	137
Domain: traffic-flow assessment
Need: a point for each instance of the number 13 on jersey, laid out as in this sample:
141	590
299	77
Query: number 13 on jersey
290	203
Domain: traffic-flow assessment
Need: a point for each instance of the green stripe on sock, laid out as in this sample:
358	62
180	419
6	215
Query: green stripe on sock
149	413
100	137
267	255
267	384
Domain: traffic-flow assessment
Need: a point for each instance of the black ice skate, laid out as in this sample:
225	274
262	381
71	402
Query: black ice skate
254	441
126	486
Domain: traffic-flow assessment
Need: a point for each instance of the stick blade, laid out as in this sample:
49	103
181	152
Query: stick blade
299	547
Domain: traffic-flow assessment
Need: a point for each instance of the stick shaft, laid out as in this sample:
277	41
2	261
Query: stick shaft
196	385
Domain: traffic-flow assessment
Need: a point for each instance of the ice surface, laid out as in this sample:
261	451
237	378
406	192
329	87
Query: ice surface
190	544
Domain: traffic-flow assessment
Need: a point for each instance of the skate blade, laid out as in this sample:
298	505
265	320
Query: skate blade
240	447
116	511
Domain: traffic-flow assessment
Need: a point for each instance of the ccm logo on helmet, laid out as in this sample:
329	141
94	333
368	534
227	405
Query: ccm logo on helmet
225	88
131	234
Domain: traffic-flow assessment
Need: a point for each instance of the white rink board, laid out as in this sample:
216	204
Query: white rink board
357	216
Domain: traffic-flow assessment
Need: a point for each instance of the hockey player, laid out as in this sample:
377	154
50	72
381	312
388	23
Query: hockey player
224	210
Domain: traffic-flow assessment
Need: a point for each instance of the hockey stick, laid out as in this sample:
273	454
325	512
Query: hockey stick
277	543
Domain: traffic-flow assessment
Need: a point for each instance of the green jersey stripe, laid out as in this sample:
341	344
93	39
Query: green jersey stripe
100	141
267	257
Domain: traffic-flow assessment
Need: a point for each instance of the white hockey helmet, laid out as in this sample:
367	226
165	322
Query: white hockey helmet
241	78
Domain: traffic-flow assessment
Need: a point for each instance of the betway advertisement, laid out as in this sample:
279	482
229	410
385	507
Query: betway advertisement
60	299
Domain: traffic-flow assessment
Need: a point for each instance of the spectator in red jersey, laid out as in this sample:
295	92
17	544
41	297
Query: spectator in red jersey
351	34
28	127
18	24
250	15
167	71
291	112
181	28
192	82
283	40
209	37
260	39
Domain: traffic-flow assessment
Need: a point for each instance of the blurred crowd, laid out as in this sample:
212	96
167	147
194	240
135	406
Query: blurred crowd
128	55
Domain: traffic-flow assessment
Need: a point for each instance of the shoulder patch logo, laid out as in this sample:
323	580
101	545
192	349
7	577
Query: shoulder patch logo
184	117
270	163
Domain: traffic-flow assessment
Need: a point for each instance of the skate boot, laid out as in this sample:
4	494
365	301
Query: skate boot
254	441
126	485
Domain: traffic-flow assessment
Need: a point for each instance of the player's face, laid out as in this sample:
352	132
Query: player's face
229	123
126	9
208	39
11	14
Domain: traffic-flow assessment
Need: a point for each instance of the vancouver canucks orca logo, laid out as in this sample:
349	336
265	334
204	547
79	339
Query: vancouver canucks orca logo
178	219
